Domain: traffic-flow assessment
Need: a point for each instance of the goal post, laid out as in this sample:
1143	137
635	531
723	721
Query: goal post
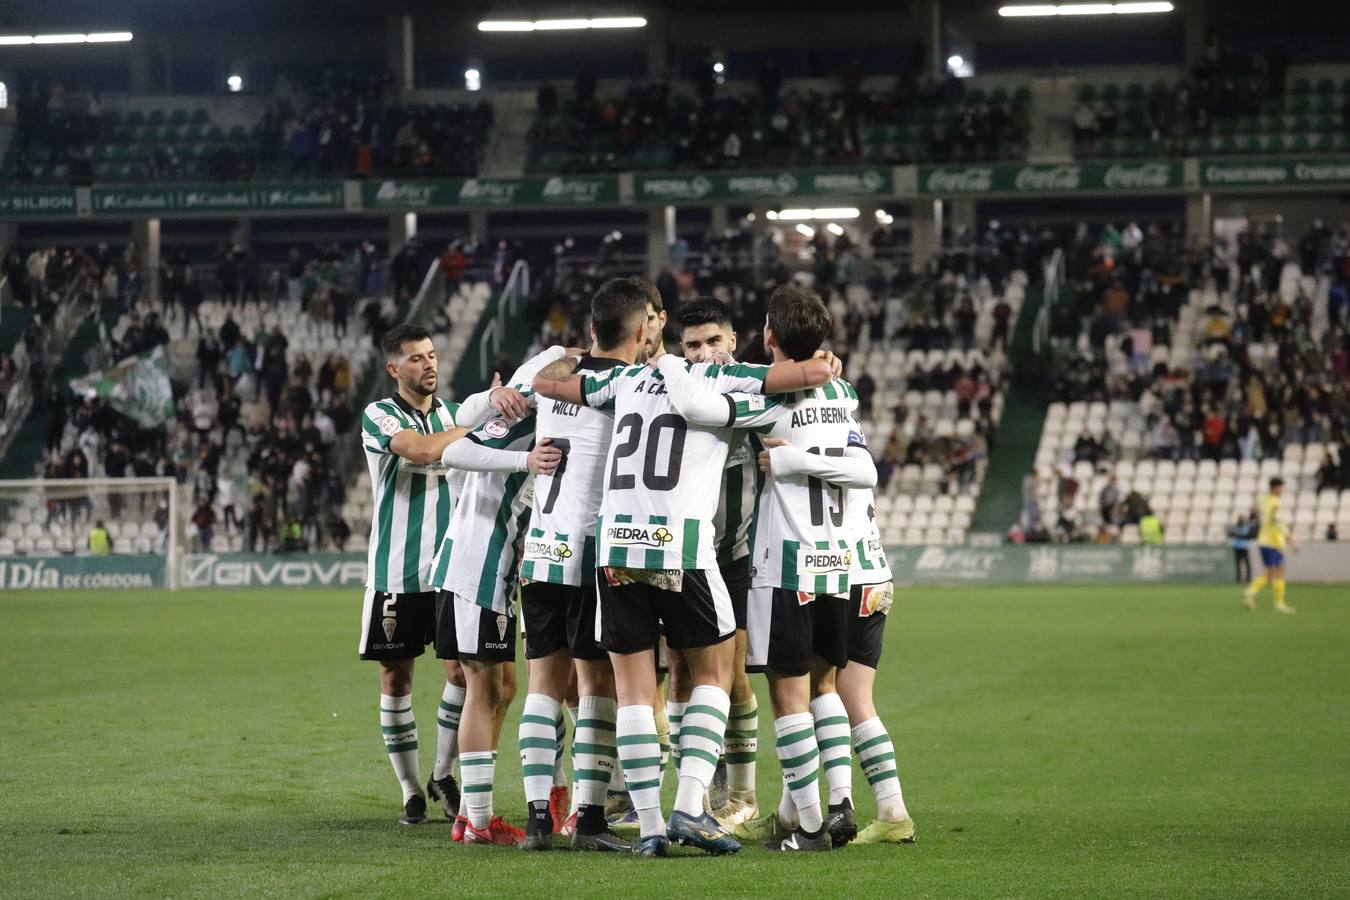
50	534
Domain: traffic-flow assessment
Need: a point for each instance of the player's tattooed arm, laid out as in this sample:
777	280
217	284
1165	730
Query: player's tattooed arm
785	377
566	388
424	449
854	468
559	369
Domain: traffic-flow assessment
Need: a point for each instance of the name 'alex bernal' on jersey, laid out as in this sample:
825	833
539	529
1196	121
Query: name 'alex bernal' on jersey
560	544
802	537
662	473
412	502
736	502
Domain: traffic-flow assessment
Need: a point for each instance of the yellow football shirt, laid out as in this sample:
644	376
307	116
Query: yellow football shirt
1272	529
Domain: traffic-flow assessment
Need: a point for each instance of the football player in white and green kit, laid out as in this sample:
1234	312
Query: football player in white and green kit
798	613
658	567
474	571
404	436
706	332
870	596
558	589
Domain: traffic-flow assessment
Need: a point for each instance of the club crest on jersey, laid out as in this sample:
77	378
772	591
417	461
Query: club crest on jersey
629	535
390	426
496	428
389	624
811	561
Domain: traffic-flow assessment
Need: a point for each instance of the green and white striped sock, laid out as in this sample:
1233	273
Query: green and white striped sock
593	744
670	750
797	754
559	759
742	745
538	745
477	770
399	728
703	725
447	730
640	756
832	737
876	756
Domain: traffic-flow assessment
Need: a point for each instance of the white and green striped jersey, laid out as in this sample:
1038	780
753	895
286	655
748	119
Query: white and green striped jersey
869	555
662	471
736	503
412	502
560	545
802	540
478	558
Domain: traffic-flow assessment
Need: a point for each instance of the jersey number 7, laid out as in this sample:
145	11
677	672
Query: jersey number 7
564	445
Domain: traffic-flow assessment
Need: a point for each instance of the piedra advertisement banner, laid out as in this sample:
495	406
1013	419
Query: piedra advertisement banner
774	184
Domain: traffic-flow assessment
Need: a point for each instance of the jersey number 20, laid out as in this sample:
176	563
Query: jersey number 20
651	479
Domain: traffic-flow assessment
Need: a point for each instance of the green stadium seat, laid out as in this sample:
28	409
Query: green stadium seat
974	95
200	117
1248	144
1134	92
1301	106
178	117
1302	125
1111	93
1087	93
1249	125
135	118
238	133
998	95
156	117
1022	95
194	133
1319	142
1276	107
1302	86
1227	126
215	134
1301	144
1326	86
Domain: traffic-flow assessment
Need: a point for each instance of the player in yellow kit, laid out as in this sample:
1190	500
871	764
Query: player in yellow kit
1271	540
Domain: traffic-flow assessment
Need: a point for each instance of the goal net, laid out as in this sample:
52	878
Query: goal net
89	533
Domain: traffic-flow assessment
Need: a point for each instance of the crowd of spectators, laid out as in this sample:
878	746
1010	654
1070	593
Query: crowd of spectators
703	126
1225	84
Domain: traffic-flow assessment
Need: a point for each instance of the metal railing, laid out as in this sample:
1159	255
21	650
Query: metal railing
1053	281
517	288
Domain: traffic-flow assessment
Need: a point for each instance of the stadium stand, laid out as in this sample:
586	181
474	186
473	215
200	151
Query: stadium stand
1189	412
689	125
1231	103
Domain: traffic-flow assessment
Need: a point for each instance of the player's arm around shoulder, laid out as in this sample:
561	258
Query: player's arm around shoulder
694	390
590	388
385	429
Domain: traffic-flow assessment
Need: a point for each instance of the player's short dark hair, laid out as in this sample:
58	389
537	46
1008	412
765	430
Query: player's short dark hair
1276	482
644	284
618	308
393	340
705	311
799	319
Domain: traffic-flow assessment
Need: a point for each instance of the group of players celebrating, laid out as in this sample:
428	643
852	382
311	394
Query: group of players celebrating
647	514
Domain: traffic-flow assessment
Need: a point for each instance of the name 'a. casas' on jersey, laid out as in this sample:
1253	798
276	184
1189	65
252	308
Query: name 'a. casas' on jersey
662	475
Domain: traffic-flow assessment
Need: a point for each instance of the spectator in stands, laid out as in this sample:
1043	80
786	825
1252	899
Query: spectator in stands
1150	528
1031	500
204	520
100	541
1240	536
866	388
1109	502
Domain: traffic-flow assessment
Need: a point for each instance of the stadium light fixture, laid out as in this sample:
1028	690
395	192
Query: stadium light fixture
473	80
235	83
97	37
955	61
561	24
835	229
823	214
805	230
1085	9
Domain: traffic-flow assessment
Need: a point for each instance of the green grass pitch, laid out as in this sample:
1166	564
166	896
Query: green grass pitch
1053	741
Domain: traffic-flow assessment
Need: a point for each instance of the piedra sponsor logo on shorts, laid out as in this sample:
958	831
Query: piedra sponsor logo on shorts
811	561
538	549
630	535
